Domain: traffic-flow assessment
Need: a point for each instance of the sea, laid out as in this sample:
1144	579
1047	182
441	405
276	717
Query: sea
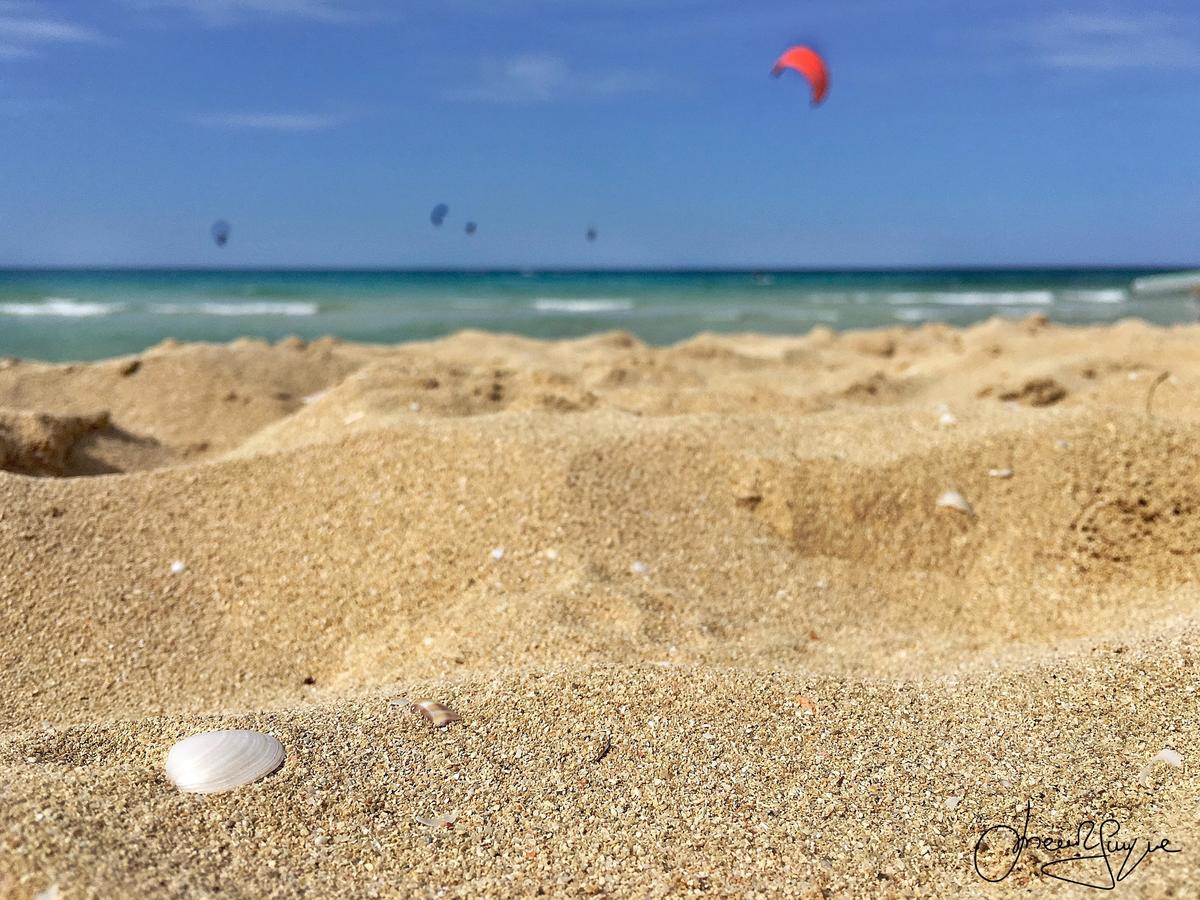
61	315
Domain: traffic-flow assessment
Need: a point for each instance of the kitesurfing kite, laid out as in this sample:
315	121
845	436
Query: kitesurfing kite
220	232
808	63
438	216
592	233
471	227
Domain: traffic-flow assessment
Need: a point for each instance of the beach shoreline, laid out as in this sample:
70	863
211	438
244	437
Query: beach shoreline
747	614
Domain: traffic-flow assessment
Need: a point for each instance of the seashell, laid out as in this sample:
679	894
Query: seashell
1168	756
178	567
437	715
955	500
639	568
947	419
1000	473
497	553
438	821
218	761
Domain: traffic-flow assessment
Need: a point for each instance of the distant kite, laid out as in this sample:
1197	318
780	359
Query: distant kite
471	228
220	232
592	233
808	63
438	216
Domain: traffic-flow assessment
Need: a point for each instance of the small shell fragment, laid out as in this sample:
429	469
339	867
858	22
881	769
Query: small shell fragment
947	419
955	500
498	553
438	821
218	761
178	567
638	568
437	715
1166	755
1000	473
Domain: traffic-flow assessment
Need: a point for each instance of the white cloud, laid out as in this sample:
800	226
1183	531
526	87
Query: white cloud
293	122
1107	41
541	78
223	12
25	31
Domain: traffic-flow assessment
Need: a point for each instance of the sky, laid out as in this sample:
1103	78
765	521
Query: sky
974	134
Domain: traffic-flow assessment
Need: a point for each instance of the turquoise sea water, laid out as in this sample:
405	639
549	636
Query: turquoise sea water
82	315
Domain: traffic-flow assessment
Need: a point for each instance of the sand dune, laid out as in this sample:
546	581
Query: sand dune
706	626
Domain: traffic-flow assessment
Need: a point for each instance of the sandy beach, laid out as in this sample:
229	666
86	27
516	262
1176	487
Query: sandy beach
711	624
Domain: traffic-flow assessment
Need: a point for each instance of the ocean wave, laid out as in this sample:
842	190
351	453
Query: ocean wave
1173	283
974	298
592	305
1112	295
60	307
277	308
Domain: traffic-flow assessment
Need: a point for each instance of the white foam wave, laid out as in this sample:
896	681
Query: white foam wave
267	308
1174	283
592	305
1112	295
974	298
60	307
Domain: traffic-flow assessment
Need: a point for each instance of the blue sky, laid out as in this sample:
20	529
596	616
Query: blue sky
970	133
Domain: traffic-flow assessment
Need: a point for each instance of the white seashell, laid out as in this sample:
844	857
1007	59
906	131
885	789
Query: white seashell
50	893
955	500
1168	756
639	568
445	821
178	567
218	761
551	553
1000	473
498	553
947	420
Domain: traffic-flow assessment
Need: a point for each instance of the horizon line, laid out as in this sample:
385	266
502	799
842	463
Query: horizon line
615	270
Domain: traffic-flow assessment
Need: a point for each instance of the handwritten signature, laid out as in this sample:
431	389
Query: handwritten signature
1091	841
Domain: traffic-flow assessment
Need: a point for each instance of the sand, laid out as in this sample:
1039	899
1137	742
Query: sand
705	624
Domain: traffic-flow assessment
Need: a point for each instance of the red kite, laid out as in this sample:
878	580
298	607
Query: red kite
808	63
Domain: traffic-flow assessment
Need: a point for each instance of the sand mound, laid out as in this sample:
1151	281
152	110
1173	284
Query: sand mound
705	622
41	444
